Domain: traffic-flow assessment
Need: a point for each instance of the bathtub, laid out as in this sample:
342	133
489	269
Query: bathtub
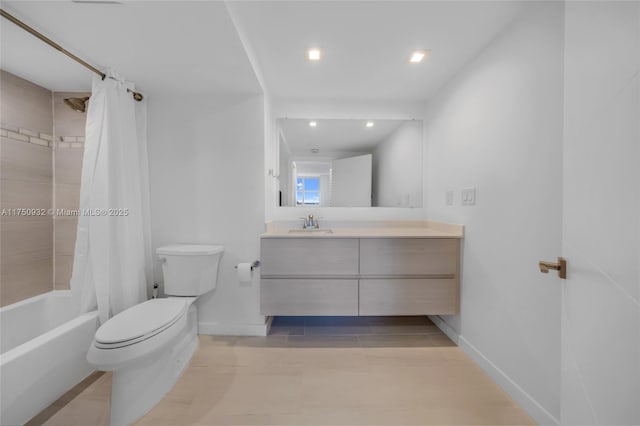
44	350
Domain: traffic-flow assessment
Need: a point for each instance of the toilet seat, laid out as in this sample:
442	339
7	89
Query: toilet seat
139	331
140	322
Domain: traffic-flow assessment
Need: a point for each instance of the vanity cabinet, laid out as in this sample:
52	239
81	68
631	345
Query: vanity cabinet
309	257
408	296
309	296
309	276
359	276
408	276
409	256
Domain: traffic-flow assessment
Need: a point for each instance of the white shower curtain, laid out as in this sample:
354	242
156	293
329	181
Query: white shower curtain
112	265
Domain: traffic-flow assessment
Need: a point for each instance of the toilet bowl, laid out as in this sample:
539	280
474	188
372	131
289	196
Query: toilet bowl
138	332
148	345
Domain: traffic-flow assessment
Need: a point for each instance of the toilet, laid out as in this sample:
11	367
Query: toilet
148	345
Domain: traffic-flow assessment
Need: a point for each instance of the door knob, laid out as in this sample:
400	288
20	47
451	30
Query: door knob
560	266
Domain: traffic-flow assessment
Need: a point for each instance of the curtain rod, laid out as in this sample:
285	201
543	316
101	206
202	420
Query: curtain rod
137	96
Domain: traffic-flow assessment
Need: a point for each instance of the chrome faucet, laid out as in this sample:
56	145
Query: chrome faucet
310	222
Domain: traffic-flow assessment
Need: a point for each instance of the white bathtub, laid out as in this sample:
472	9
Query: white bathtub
44	352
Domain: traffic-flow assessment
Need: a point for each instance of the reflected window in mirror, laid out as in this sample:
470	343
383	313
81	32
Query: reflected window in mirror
308	191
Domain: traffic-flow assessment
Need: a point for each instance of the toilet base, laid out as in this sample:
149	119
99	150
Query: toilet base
137	388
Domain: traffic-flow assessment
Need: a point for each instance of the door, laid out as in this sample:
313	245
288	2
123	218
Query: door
351	181
601	215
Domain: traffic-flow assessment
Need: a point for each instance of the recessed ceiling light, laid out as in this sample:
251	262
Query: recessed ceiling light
315	150
418	55
313	54
313	124
369	124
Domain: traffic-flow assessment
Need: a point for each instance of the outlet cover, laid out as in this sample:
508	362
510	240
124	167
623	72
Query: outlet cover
468	196
449	197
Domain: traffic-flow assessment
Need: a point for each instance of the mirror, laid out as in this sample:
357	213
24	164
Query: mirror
349	163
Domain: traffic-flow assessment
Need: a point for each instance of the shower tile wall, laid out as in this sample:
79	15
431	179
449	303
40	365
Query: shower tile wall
26	179
42	143
68	130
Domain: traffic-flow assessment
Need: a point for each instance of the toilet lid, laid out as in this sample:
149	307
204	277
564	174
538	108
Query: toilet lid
145	319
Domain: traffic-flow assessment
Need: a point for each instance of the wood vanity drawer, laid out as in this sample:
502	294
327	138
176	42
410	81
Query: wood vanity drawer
408	296
291	296
312	257
409	256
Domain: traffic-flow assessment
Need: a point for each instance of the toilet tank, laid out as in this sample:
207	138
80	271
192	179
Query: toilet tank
189	269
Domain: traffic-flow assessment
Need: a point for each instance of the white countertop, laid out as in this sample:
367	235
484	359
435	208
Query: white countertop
352	229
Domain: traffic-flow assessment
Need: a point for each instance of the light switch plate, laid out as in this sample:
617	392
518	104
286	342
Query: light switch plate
449	195
468	196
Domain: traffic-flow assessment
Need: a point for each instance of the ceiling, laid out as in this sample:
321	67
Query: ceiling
334	136
366	44
198	47
187	47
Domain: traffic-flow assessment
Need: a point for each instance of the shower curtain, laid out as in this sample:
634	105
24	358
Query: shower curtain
112	265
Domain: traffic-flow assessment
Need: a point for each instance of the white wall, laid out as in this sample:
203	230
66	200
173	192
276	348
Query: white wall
497	126
397	171
206	158
601	232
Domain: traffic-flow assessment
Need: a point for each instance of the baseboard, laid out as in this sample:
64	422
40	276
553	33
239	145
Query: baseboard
231	329
519	395
526	401
445	328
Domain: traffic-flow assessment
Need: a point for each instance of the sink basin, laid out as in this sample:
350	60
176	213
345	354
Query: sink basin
310	231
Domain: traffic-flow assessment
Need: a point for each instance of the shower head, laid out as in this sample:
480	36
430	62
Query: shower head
77	104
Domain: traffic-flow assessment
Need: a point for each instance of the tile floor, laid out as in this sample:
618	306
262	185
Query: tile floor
316	371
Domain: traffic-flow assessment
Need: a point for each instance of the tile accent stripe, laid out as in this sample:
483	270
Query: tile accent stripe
42	139
28	136
71	142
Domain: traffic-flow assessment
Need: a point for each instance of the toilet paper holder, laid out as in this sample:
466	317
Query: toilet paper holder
255	264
